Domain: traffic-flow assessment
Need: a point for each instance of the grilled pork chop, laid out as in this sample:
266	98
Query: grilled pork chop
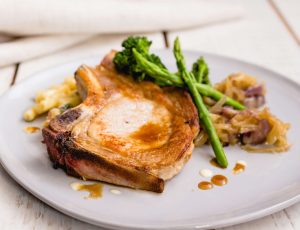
125	132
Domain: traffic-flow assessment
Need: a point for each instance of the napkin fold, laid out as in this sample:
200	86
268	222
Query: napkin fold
23	49
66	19
32	17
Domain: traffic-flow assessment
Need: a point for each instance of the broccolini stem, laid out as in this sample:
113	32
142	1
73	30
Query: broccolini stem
153	70
204	115
169	78
208	91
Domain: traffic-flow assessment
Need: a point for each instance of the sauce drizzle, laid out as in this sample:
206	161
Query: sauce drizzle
238	168
94	190
219	180
31	129
205	185
150	132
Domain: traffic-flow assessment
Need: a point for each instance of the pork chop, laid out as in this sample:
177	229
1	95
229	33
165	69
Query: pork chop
128	133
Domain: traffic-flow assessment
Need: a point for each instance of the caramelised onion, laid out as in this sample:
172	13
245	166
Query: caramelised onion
250	128
254	91
254	102
259	135
228	112
217	107
255	128
201	139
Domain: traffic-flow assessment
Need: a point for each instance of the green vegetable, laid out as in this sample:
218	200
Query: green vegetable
136	61
204	115
163	77
125	61
201	71
208	91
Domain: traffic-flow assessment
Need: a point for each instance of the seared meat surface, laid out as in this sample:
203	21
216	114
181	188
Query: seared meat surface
125	132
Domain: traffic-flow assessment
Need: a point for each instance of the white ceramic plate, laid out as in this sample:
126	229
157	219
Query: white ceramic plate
271	181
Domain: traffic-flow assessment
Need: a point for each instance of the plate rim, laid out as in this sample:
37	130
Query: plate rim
112	225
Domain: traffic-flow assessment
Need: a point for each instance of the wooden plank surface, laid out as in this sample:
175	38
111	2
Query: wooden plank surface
277	221
260	37
6	77
290	10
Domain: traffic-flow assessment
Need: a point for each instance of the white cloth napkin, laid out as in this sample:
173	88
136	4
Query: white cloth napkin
30	47
89	17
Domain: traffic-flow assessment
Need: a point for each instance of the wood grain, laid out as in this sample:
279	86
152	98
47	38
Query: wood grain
276	221
6	77
260	38
290	10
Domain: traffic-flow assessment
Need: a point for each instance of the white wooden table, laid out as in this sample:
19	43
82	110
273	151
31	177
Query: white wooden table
269	35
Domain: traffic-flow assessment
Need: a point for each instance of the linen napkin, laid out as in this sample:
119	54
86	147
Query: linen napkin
75	21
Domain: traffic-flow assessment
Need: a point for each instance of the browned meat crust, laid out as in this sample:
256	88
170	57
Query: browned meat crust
78	141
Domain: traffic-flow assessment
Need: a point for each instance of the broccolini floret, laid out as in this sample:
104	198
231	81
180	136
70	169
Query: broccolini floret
125	61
